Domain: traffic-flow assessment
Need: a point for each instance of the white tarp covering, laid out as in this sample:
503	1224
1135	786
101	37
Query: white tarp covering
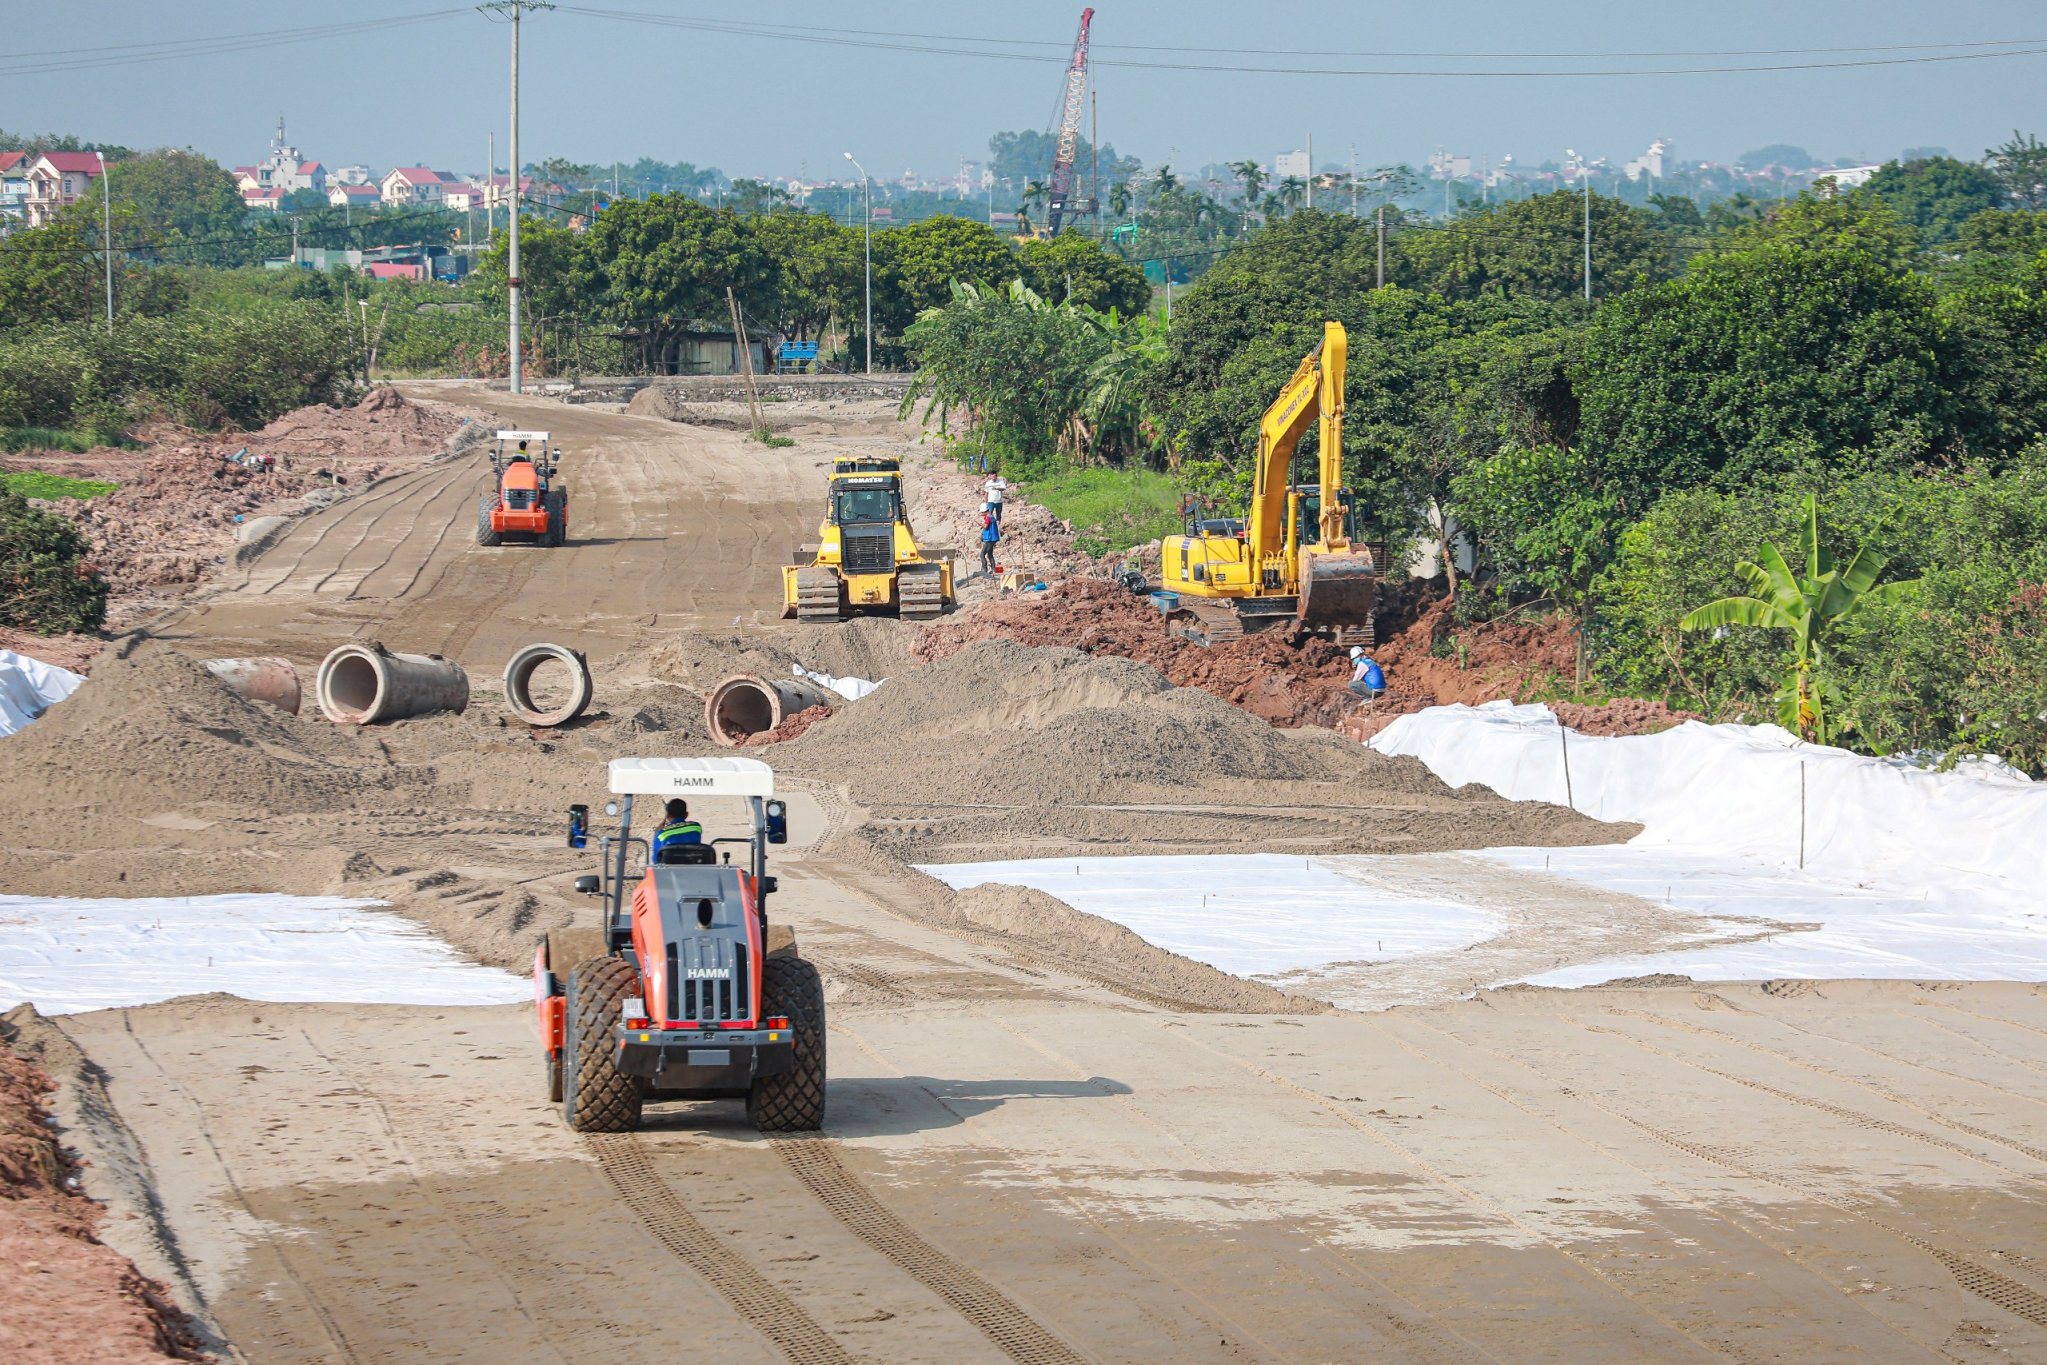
29	687
1242	913
852	689
1747	791
67	955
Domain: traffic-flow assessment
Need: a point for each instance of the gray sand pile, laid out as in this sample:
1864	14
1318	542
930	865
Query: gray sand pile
871	647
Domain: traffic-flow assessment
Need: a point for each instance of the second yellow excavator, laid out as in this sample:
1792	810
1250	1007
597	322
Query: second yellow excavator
1291	563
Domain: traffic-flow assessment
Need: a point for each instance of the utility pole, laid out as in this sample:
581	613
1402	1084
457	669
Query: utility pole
1094	157
294	241
867	258
1311	170
1382	246
513	284
107	223
1588	239
490	189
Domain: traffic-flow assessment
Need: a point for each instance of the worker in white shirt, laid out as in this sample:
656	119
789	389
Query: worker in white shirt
993	491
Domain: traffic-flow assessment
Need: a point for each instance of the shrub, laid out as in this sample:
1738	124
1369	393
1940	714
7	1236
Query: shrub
46	585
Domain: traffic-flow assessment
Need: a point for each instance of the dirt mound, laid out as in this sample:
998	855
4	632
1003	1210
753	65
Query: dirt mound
69	1297
790	728
1621	716
871	647
1032	921
945	507
75	652
155	733
1285	684
1001	722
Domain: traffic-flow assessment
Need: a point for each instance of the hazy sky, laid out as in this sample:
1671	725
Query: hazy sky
600	88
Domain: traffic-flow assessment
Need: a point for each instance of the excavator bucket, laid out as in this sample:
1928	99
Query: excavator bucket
1337	589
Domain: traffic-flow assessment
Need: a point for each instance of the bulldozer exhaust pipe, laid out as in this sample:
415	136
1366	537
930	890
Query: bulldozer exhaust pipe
365	684
519	684
751	705
275	681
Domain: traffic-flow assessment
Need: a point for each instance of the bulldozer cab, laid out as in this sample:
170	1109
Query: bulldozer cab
866	502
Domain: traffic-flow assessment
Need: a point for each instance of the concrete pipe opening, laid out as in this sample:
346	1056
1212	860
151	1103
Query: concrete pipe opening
548	685
363	684
748	705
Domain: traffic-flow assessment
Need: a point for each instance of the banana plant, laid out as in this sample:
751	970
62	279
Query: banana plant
1808	605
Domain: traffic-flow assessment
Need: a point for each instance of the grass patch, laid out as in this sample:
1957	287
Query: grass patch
775	442
36	484
1111	509
48	438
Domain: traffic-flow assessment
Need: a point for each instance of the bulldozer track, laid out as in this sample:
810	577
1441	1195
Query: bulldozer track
1021	1337
772	1313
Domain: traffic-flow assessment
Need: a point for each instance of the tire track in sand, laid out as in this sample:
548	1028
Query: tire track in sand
771	1312
815	1161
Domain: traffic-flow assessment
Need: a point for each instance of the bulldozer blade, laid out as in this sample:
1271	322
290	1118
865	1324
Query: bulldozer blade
1337	589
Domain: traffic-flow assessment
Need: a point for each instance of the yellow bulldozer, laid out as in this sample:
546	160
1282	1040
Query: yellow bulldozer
1290	563
867	560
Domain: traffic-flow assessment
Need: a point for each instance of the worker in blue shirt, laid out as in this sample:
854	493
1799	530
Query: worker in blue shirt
1367	679
678	828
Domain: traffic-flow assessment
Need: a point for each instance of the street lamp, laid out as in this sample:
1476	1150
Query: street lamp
107	207
867	254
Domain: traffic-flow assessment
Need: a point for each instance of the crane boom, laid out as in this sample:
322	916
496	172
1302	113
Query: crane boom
1069	129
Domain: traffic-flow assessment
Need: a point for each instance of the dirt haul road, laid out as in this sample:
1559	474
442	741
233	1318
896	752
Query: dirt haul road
1047	1141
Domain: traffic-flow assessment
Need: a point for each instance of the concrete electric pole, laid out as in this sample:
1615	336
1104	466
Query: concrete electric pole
514	9
107	206
1588	239
867	258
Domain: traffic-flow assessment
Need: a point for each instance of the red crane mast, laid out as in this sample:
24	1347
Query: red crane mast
1069	130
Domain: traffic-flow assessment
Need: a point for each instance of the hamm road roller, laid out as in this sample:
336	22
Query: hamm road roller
686	991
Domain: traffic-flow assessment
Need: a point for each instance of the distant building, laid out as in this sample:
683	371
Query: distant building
57	180
348	195
1649	163
350	175
283	170
461	197
1290	165
1449	166
268	200
497	191
414	185
13	188
1848	177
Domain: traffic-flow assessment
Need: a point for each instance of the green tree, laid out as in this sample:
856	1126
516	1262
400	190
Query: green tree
660	267
915	267
169	197
2021	167
1810	605
48	274
1755	360
750	197
1075	269
813	271
1252	176
1937	195
1535	247
46	583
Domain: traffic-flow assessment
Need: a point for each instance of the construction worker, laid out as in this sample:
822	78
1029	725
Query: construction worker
1367	679
993	491
677	828
991	532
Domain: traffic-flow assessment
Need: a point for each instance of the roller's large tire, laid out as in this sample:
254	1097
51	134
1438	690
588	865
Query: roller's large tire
596	1096
485	533
565	949
557	505
792	1102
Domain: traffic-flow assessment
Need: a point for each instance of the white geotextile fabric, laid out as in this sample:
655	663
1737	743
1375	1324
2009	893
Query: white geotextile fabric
1248	913
852	689
67	955
29	687
1735	791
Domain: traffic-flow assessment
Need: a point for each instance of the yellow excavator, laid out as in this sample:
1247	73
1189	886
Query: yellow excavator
1291	563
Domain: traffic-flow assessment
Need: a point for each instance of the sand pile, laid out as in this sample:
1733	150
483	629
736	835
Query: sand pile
156	734
68	1296
73	651
1003	723
1284	684
871	647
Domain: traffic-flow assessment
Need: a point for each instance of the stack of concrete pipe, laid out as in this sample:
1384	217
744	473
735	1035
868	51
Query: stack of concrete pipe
750	705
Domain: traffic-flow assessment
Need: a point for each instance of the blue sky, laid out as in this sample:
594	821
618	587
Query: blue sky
598	88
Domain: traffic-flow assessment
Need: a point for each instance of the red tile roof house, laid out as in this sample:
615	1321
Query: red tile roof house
271	199
57	179
386	270
414	185
355	196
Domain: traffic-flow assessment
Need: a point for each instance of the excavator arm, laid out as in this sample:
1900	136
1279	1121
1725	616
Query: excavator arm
1315	393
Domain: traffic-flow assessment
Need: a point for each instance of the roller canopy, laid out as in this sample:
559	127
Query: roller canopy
524	435
691	777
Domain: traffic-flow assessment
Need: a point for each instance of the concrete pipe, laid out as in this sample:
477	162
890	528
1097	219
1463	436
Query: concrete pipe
275	681
519	685
750	705
362	684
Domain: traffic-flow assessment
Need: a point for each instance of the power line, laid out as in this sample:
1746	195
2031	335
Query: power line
134	54
889	41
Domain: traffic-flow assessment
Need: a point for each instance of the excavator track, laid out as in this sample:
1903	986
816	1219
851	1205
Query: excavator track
920	593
